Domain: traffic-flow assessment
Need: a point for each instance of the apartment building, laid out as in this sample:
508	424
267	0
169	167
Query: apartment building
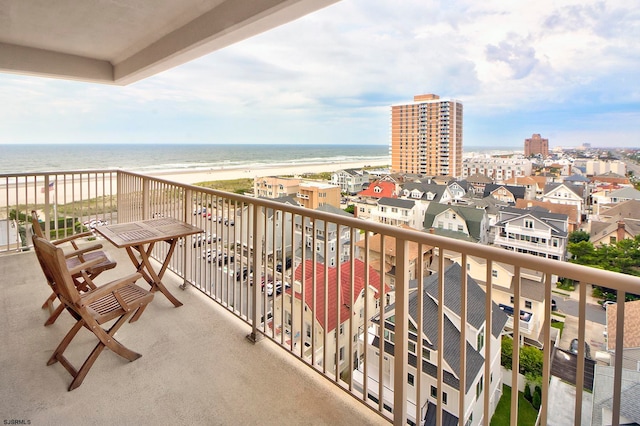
498	169
317	194
426	136
536	145
275	187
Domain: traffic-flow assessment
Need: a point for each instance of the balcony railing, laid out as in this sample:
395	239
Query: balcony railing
325	312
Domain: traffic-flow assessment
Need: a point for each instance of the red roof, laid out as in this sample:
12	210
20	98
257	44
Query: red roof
333	293
379	189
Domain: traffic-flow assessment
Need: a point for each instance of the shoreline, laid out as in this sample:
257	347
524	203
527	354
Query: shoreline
32	192
196	176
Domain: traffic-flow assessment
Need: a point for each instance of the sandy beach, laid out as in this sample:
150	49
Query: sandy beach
66	189
191	177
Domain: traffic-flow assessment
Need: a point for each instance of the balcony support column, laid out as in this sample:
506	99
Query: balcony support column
400	361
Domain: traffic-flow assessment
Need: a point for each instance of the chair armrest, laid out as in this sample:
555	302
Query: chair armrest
108	288
84	250
71	238
86	265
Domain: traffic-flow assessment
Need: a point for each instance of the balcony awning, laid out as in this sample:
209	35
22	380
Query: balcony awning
123	42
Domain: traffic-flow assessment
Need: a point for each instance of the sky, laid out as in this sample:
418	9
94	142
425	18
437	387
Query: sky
567	70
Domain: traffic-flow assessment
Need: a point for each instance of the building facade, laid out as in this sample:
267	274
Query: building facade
536	145
426	136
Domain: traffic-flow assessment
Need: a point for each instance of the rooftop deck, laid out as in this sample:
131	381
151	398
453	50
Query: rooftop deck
197	366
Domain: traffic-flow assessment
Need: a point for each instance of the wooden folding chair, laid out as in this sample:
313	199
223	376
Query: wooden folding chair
74	258
116	300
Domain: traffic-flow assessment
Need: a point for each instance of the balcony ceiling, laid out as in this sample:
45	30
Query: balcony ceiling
123	41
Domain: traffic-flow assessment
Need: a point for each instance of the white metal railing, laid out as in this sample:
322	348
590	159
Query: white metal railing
324	320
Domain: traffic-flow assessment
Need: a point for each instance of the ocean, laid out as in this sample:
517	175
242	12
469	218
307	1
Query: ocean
147	158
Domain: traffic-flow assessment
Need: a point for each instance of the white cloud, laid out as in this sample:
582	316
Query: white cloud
343	66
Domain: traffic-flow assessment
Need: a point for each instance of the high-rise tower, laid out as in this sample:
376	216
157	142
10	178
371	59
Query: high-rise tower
426	136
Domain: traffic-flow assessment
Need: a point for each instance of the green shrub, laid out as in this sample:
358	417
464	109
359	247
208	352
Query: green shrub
527	392
537	398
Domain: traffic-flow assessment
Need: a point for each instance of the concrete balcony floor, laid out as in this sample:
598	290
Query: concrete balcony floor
197	367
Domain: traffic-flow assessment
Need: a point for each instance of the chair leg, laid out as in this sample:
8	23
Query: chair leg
54	316
106	339
57	354
49	302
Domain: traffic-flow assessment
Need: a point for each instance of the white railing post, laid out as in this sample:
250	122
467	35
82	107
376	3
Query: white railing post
256	214
400	361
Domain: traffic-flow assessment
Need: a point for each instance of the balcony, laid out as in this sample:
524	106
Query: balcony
199	367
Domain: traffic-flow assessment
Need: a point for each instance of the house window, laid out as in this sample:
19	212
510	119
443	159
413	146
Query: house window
468	266
426	354
410	379
527	304
308	330
480	340
554	242
440	224
528	223
342	353
389	336
479	387
412	347
434	392
512	300
494	273
444	398
612	240
460	228
341	329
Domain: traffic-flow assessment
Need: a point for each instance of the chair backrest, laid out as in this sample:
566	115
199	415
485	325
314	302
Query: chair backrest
54	266
35	224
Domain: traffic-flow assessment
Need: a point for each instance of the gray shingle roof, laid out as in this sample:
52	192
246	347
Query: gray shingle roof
517	191
396	202
539	213
472	216
578	190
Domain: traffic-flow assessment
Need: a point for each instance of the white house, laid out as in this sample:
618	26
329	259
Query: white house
424	346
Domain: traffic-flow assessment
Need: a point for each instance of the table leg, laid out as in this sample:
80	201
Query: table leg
146	269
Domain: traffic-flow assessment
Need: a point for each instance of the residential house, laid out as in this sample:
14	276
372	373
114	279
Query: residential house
331	245
611	178
276	226
602	411
458	190
468	221
497	168
626	210
398	212
350	181
368	198
631	338
615	196
478	182
571	211
564	193
534	231
387	260
427	339
612	232
506	193
426	192
534	185
337	324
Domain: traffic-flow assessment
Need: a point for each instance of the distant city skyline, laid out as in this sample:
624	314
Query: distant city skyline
567	72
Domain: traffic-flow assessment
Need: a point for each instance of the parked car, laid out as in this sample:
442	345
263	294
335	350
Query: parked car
224	259
287	265
243	273
607	303
554	305
573	348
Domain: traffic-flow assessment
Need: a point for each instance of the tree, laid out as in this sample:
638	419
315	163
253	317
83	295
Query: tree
578	236
350	209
